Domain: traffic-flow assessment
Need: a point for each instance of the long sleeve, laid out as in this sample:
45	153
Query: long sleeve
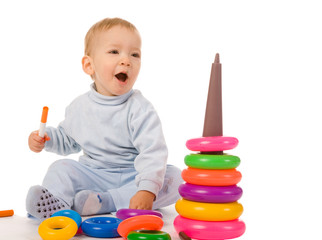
148	139
60	142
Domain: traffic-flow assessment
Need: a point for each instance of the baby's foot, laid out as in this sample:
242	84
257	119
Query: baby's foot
87	203
41	204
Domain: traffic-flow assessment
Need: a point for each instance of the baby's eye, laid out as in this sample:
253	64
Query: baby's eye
113	52
136	55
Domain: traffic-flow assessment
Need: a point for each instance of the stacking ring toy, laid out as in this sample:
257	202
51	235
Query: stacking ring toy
71	214
212	144
148	235
205	161
126	213
101	227
144	222
209	211
209	230
210	194
62	228
206	177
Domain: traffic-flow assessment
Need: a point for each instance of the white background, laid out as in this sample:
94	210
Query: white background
271	68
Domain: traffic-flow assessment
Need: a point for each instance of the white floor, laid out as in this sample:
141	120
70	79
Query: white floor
23	228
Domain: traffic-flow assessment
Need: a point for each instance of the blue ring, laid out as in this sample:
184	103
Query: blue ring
70	214
101	227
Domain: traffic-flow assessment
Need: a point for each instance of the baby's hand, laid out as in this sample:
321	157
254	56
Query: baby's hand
37	143
142	200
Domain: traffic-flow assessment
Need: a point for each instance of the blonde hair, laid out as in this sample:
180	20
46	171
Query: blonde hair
104	25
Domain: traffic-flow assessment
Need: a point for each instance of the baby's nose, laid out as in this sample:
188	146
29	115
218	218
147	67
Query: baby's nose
125	62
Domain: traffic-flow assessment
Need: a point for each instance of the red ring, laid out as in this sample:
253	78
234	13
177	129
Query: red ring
141	222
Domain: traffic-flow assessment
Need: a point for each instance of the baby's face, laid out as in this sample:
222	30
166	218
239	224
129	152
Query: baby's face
116	60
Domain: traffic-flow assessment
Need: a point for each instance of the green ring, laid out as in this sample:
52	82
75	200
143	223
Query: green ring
205	161
148	235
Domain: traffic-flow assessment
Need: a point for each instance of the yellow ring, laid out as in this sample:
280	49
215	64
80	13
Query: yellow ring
209	211
62	228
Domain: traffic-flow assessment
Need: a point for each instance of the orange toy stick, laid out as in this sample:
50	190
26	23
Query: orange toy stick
44	114
6	213
43	122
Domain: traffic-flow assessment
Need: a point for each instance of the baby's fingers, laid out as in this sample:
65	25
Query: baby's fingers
37	149
37	138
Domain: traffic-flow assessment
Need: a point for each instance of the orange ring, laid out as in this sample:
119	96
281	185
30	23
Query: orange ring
140	222
208	177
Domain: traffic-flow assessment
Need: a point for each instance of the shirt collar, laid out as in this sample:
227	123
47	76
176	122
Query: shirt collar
108	100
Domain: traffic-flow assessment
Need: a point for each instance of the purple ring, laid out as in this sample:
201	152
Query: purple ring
127	213
199	193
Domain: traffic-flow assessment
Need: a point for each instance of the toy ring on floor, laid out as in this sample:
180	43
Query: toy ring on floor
126	213
101	227
54	228
71	214
209	211
144	222
205	161
207	177
210	194
148	235
209	230
212	144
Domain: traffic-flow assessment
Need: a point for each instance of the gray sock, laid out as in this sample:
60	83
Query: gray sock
40	203
87	202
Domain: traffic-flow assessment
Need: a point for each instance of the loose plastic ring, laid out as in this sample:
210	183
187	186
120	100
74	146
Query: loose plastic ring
71	214
210	194
148	235
209	211
141	222
101	227
126	213
209	230
205	161
212	144
207	177
62	228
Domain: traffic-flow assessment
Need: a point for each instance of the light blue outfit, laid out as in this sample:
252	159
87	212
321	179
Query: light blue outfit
124	150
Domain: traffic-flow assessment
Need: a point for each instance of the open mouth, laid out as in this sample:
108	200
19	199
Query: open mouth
121	77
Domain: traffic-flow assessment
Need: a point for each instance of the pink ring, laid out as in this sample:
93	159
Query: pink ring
212	144
208	230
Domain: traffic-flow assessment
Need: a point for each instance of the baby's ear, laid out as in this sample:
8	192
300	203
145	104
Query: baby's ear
87	65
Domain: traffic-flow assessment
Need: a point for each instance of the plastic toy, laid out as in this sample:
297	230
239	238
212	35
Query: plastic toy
148	235
71	214
126	213
199	193
212	144
141	222
209	230
208	177
43	122
206	161
101	227
6	213
209	211
54	228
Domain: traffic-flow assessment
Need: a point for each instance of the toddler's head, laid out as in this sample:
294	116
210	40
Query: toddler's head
112	56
